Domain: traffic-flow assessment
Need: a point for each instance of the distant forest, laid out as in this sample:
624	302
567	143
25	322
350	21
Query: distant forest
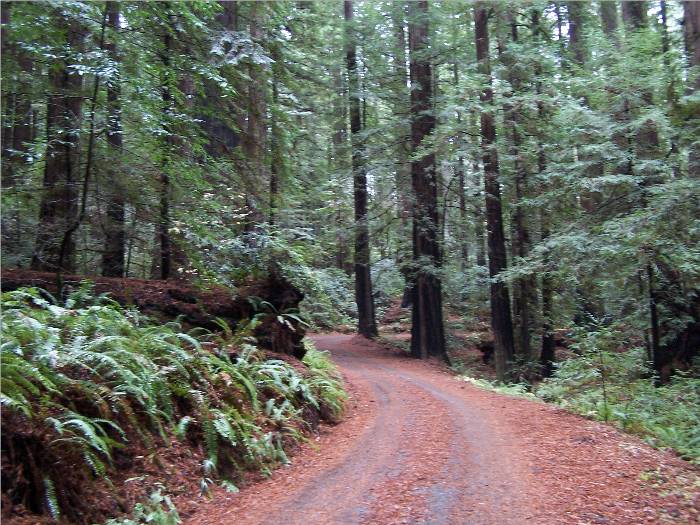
536	163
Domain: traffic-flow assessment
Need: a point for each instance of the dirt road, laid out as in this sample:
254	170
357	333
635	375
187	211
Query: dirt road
421	447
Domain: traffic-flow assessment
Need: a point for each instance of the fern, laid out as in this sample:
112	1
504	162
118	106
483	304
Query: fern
51	499
92	375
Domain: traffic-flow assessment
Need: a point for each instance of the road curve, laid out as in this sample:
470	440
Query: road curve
420	447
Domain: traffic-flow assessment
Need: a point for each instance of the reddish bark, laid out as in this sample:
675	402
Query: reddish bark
59	200
366	323
427	330
501	320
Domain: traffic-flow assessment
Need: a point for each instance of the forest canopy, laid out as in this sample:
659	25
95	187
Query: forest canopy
535	162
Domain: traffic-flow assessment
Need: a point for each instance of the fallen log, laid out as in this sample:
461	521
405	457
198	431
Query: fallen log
269	300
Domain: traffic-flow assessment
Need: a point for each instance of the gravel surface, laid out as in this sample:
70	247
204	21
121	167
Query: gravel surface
418	446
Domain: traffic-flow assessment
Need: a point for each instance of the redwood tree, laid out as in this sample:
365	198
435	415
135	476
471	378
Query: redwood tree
427	331
501	321
115	238
366	323
59	199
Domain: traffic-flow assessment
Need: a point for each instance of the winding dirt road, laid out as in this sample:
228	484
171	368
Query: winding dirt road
421	447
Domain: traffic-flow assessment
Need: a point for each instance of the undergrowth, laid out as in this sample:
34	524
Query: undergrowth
619	387
608	382
87	382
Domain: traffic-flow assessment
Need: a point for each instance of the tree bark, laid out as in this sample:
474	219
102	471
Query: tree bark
501	321
634	14
18	131
578	48
340	139
366	323
548	348
608	19
67	240
461	188
255	139
525	293
403	150
477	200
276	153
427	331
691	34
115	235
163	227
59	200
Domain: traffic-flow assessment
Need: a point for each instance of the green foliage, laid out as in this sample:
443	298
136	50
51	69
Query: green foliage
609	383
325	382
96	377
512	389
157	510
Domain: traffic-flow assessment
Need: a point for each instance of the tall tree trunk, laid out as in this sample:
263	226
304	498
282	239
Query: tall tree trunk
255	139
18	131
501	321
115	236
427	331
340	139
59	200
548	349
276	153
608	19
403	150
221	112
578	48
525	292
691	35
479	218
366	323
163	228
634	14
461	189
477	200
67	240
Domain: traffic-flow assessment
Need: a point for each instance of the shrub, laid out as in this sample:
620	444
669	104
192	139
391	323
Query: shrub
606	383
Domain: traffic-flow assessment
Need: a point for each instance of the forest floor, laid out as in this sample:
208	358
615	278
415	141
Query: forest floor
420	446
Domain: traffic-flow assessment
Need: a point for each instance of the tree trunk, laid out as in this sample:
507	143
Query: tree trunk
366	323
691	34
576	24
255	140
477	200
276	153
608	19
427	331
547	351
501	321
115	236
59	200
461	183
340	132
634	14
479	218
525	288
18	131
403	151
163	228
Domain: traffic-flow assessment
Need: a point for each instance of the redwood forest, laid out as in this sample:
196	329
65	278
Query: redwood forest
350	262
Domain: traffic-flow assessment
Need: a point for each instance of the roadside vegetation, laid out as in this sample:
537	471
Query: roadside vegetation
605	377
90	388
